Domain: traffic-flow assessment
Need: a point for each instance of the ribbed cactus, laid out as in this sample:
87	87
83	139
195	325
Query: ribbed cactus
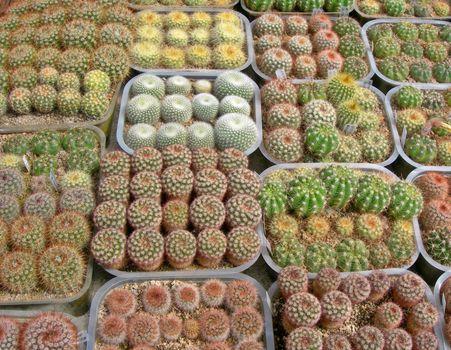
307	195
341	185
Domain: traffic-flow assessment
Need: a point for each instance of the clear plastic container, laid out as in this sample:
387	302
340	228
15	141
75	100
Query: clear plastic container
266	251
255	113
389	122
22	316
297	81
273	292
51	299
433	266
179	7
385	80
118	281
104	123
191	72
259	13
397	137
440	303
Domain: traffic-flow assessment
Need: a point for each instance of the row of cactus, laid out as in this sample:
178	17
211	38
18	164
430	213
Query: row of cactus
404	8
309	49
177	205
435	220
406	51
399	317
208	315
180	40
333	217
422	113
299	5
62	59
196	114
46	198
190	3
334	121
446	293
45	330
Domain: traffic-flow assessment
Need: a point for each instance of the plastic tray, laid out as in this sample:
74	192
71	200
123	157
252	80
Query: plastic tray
259	13
397	137
414	175
118	281
179	7
273	291
193	273
365	167
22	316
390	125
384	15
372	60
191	72
89	267
267	77
104	123
256	110
440	305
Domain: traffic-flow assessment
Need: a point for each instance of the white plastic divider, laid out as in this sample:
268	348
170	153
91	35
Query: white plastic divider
118	281
373	60
190	72
390	126
414	175
23	316
297	81
255	112
397	136
364	167
273	292
440	305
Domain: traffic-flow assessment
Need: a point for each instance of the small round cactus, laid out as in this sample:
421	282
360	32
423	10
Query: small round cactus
368	337
214	325
211	247
147	159
292	280
436	214
303	337
213	292
187	297
9	329
145	184
336	308
210	182
422	317
108	248
207	212
69	228
180	248
380	285
156	299
356	287
284	144
115	163
246	324
421	149
143	328
352	255
121	302
112	329
372	195
18	273
145	248
242	210
301	310
307	195
408	290
319	255
438	245
388	316
424	341
243	245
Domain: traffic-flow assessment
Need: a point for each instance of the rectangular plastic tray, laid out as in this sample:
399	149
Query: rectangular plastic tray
89	267
179	7
190	72
23	316
365	167
104	123
372	60
118	281
382	16
397	137
266	77
414	175
391	127
259	13
273	292
256	110
439	303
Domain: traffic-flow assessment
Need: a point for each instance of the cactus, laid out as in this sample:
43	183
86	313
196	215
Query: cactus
356	287
207	212
421	72
408	97
235	130
305	67
388	316
259	6
341	184
28	234
372	195
386	47
242	210
356	67
321	139
233	83
112	60
171	134
18	272
278	91
351	46
436	214
227	56
110	214
108	248
394	68
210	182
41	204
211	247
231	159
266	42
19	100
246	324
243	245
214	325
406	202
143	328
408	290
289	251
438	245
441	73
318	256
234	104
340	88
301	310
149	258
114	187
422	317
275	59
200	134
156	299
352	255
10	333
428	32
304	337
444	153
329	60
421	149
318	111
272	199
12	182
180	248
300	45
283	226
307	195
375	147
336	309
292	280
394	8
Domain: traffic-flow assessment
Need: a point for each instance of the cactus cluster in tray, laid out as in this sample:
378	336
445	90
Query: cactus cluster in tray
435	222
446	296
305	6
412	52
376	312
178	40
183	209
196	114
309	48
46	198
45	330
404	8
145	4
318	122
339	217
62	61
424	114
207	314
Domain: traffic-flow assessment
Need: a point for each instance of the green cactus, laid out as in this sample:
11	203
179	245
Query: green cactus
372	195
341	184
356	67
406	31
380	256
289	251
438	245
322	139
311	91
408	97
284	5
17	144
273	199
46	142
283	226
18	273
444	153
387	47
442	72
421	71
394	68
428	32
401	247
352	255
369	227
309	5
259	5
394	8
406	202
341	87
319	255
44	165
307	195
412	49
421	148
84	160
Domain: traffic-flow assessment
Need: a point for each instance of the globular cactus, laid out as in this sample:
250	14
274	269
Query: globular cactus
421	71
438	245
301	310
433	186
292	280
422	317
18	272
272	199
356	287
180	248
394	68
436	214
149	258
289	251
284	144
388	316
406	200
108	248
243	245
258	5
352	255
372	195
408	97
341	87
246	323
304	337
413	120
211	247
380	285
318	256
421	148
307	195
275	59
408	290
284	5
321	140
336	309
341	185
368	337
309	5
